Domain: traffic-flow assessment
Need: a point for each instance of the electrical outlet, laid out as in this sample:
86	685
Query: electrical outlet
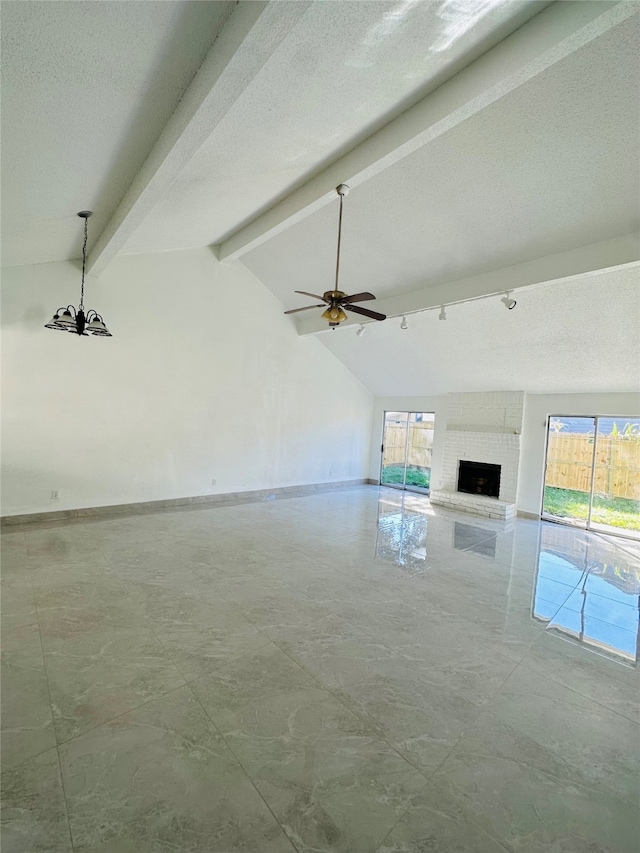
213	482
55	495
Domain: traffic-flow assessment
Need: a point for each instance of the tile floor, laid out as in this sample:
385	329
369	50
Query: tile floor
350	671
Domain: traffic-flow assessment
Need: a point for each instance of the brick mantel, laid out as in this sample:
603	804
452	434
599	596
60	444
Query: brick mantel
482	428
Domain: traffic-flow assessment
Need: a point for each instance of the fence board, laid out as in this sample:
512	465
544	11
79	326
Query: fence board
617	464
418	448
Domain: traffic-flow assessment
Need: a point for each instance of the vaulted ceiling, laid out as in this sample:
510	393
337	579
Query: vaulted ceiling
489	145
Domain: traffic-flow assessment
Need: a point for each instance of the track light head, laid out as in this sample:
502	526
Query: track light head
403	325
443	314
360	331
508	302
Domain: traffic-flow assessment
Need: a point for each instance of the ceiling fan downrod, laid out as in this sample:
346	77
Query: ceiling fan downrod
334	313
337	299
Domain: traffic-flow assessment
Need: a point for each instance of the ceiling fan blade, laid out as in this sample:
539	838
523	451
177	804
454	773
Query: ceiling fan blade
358	297
306	308
312	295
373	315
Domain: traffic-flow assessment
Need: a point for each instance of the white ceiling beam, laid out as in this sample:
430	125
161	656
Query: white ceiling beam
553	34
586	260
249	37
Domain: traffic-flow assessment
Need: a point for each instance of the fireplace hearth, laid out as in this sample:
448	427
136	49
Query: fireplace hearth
479	478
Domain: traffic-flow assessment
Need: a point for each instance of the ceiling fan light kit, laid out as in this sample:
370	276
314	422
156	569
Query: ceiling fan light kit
337	300
76	321
335	314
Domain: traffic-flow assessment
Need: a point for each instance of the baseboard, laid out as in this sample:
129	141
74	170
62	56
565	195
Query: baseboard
99	512
522	514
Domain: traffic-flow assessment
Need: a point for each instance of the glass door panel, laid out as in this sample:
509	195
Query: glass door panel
394	448
615	505
569	469
406	450
419	448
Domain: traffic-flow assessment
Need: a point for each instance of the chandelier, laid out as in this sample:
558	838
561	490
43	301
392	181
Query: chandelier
76	321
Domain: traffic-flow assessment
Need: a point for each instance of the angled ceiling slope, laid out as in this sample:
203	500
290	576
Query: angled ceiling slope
178	122
343	71
549	167
86	90
579	335
488	145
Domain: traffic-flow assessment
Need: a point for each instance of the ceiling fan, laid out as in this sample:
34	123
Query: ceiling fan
335	299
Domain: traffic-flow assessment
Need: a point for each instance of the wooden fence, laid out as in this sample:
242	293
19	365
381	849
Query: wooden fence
418	449
617	473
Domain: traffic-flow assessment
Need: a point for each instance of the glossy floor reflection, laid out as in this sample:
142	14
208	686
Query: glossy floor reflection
350	671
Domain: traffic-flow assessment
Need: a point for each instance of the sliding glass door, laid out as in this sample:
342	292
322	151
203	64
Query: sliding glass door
567	485
592	476
615	504
406	450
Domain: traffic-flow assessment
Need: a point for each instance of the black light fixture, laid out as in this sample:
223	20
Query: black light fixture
76	321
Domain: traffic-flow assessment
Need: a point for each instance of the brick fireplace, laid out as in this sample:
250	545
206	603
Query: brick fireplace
483	429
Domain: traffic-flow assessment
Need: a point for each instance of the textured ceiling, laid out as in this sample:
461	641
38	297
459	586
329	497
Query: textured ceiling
86	89
575	336
549	167
345	70
89	86
223	111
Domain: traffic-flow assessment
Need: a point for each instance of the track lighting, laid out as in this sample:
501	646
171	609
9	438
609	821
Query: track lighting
507	301
360	331
77	322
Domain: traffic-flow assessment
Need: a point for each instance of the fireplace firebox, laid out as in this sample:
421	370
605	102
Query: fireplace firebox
479	478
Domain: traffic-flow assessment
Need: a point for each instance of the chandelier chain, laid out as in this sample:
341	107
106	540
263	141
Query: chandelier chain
84	261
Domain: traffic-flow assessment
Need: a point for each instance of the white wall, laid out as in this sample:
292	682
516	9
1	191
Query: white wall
537	409
204	378
532	447
409	404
